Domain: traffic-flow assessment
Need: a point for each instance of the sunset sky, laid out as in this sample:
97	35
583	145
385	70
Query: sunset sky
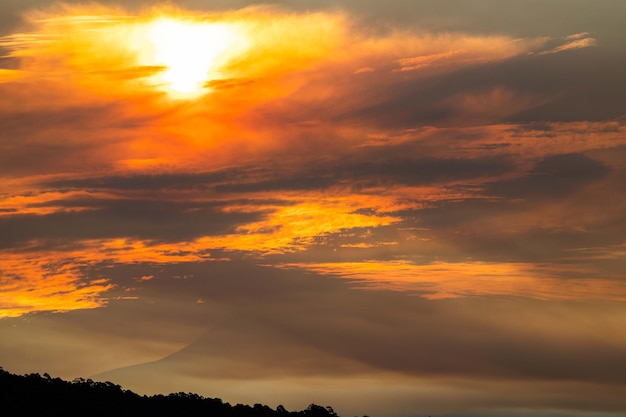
397	208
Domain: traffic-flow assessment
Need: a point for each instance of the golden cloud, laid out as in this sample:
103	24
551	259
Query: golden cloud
32	283
441	280
110	63
54	280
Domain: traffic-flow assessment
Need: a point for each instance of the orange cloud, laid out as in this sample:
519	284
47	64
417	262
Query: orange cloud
31	283
38	280
51	280
110	64
442	280
301	223
43	203
111	51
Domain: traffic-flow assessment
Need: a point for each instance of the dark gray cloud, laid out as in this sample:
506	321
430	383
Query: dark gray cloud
543	88
530	88
152	220
174	181
370	167
377	172
553	177
425	171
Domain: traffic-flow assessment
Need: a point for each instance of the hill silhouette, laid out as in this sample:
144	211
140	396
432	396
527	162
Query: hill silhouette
35	394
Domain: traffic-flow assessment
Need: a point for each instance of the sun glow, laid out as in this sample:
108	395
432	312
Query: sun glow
190	52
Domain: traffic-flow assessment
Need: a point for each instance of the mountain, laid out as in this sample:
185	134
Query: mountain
247	361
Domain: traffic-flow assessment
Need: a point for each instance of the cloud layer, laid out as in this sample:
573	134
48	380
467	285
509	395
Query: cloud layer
434	218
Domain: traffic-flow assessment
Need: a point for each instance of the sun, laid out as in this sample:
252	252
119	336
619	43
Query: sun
191	53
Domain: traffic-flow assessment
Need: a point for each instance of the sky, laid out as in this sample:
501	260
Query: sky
395	208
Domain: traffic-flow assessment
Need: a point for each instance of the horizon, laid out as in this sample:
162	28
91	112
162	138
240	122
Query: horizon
391	208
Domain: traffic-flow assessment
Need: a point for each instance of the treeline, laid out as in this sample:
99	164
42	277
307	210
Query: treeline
34	394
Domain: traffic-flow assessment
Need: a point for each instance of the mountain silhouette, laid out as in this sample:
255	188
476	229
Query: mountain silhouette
242	351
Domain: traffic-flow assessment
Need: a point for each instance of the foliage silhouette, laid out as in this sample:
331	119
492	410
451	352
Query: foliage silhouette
34	394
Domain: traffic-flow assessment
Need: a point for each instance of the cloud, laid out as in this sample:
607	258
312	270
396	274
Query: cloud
442	280
577	36
112	105
553	177
463	51
344	206
30	283
576	41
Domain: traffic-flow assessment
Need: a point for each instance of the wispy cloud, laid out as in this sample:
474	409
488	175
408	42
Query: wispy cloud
576	41
448	52
441	280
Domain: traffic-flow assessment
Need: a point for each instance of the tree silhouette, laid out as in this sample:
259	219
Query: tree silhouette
34	394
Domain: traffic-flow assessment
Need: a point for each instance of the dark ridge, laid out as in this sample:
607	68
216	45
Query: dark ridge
34	394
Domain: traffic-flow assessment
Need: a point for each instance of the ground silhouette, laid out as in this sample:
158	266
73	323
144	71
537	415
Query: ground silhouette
35	394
